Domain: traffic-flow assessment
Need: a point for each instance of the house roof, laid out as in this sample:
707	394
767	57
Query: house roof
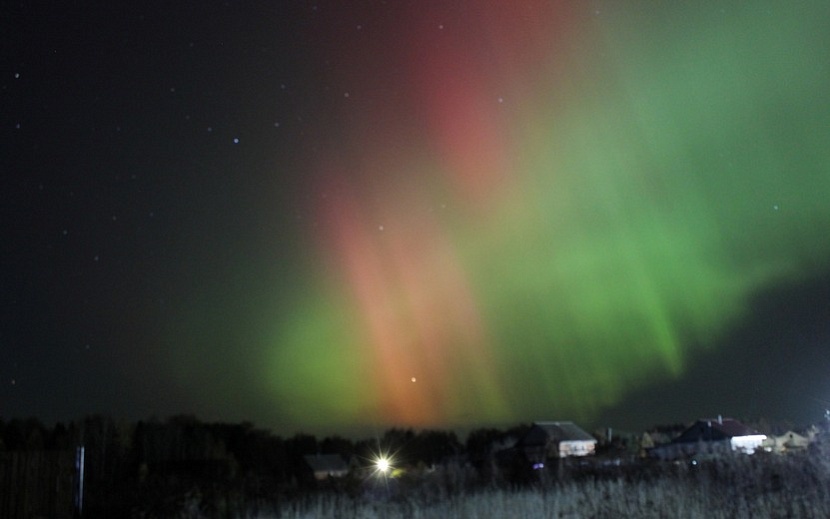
791	439
542	432
326	463
715	429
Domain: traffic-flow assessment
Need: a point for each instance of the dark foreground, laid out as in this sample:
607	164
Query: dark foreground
161	471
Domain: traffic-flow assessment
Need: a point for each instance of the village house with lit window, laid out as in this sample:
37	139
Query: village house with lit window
546	440
711	436
326	466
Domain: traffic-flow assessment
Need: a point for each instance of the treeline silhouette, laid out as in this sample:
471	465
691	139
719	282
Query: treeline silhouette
183	467
154	466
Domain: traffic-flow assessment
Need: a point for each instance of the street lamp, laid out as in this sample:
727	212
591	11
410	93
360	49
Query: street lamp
383	465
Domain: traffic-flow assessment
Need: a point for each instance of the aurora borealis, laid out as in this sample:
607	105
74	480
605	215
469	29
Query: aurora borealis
576	207
436	214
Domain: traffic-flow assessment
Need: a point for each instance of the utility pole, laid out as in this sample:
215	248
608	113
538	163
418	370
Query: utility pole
79	481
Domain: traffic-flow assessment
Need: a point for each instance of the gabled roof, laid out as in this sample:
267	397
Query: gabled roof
329	463
542	432
714	430
791	439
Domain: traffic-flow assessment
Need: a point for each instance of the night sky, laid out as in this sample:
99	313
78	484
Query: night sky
337	216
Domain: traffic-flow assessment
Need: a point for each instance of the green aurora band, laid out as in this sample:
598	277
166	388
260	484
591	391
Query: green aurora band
667	164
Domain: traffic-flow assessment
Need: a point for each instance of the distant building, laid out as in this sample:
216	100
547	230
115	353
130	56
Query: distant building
325	466
787	442
711	436
547	440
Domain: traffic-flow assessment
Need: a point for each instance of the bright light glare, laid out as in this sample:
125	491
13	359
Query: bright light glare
382	465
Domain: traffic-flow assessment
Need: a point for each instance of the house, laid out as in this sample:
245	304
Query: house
325	466
547	440
789	441
711	436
